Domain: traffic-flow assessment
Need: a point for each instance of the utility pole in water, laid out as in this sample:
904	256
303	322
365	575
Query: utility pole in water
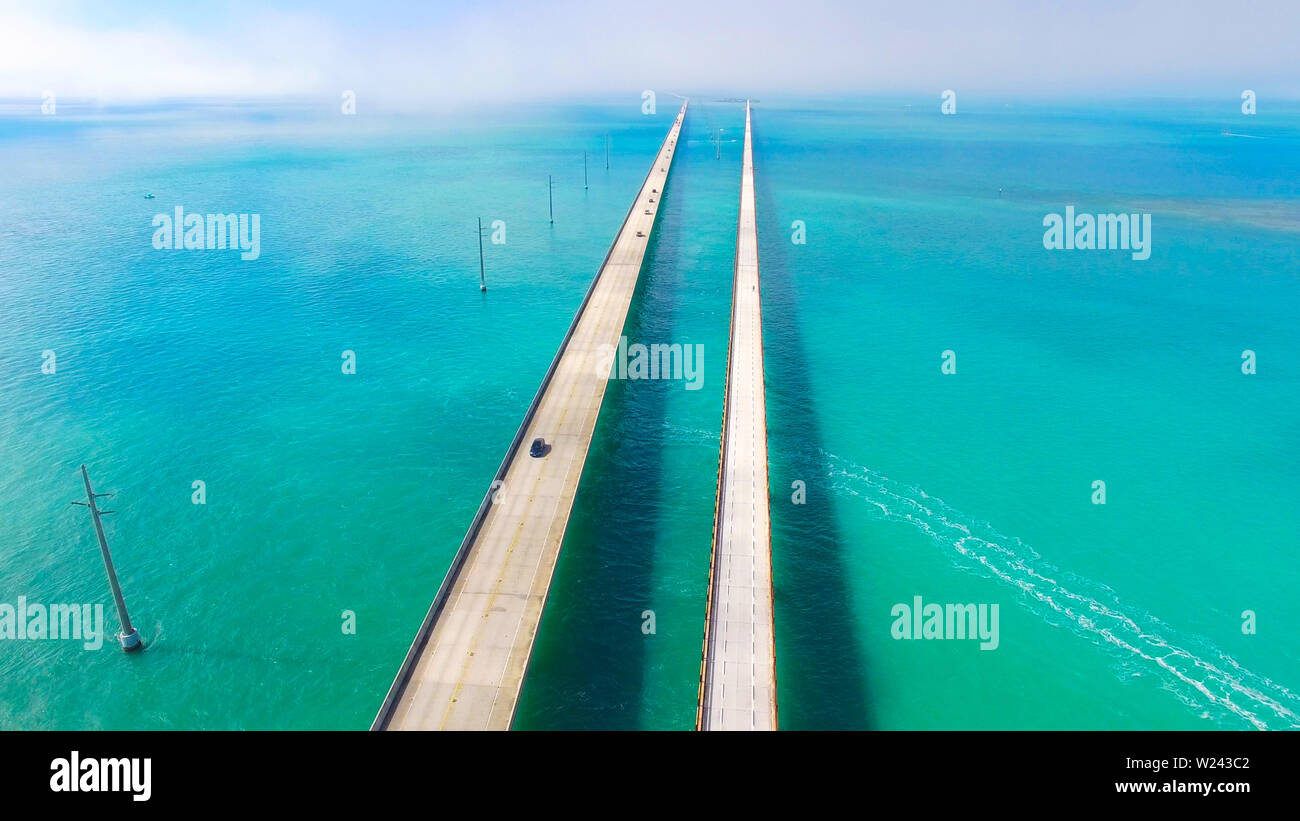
606	152
482	276
550	198
129	637
584	170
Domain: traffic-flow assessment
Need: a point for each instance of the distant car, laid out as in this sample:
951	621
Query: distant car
538	448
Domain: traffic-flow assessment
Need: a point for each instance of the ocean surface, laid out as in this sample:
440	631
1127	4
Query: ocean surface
335	499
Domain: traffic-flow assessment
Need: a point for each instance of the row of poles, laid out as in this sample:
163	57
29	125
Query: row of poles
550	207
129	637
550	201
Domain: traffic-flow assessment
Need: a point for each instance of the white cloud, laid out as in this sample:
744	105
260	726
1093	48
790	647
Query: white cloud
147	62
508	51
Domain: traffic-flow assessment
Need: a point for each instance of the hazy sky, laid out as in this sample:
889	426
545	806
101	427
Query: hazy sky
450	51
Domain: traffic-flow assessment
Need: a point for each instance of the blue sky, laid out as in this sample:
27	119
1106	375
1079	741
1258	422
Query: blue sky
450	51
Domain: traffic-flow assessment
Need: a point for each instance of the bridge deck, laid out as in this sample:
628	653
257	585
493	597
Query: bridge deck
738	669
467	664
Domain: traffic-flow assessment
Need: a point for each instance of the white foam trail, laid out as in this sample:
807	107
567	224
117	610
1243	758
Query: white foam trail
694	436
1089	609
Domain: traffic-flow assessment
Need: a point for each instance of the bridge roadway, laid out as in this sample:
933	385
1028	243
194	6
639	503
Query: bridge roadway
738	665
466	666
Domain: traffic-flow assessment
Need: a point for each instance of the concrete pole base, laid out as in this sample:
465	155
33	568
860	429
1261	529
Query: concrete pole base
130	641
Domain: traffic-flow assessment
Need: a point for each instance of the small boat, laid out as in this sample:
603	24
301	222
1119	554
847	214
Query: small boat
148	196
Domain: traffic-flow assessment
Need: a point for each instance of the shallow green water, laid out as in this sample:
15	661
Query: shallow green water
1071	367
325	492
330	492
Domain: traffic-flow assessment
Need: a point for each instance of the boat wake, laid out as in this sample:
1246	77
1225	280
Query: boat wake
1190	667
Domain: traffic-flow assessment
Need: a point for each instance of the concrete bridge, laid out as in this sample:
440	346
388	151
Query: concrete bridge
738	669
466	666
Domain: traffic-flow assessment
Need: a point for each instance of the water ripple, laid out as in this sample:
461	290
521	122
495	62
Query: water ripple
1193	669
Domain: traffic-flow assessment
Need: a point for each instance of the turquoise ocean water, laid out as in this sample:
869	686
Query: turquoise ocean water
329	492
